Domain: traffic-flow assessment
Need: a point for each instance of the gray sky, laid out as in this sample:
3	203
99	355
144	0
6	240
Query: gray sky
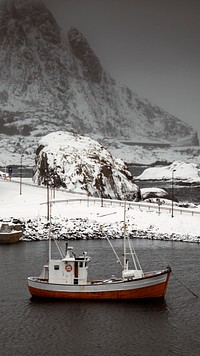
152	46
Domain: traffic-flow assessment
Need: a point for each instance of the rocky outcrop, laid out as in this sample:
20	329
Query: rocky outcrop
82	165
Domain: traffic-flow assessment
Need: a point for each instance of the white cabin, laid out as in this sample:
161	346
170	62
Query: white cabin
69	270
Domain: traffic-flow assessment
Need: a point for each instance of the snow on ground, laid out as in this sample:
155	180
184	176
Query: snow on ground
83	217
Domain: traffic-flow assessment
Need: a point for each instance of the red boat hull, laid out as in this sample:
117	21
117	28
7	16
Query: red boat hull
150	288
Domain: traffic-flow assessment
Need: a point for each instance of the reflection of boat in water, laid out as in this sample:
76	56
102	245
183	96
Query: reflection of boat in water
10	233
67	278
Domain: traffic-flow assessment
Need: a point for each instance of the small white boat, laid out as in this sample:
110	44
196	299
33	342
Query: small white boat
67	278
10	233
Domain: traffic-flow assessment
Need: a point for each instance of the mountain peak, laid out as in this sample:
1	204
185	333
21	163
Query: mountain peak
10	5
92	69
52	80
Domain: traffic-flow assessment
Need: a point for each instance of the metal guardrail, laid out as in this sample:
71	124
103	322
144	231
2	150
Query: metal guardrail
129	204
109	202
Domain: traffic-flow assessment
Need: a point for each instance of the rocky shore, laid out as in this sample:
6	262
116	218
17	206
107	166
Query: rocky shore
85	229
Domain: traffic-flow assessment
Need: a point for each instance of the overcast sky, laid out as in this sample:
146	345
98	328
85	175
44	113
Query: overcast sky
152	46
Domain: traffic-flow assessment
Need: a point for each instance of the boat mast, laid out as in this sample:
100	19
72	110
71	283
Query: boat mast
49	221
125	262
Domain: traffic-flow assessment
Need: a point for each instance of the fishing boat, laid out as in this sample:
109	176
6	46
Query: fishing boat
67	278
10	233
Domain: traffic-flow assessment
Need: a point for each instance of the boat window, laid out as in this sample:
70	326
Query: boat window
56	267
81	264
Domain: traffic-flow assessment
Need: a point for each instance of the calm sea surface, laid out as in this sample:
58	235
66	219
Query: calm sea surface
31	327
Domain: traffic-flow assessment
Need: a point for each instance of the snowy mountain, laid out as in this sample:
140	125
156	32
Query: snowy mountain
82	165
52	81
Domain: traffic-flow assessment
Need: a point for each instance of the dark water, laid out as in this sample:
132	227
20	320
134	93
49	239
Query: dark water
54	328
26	172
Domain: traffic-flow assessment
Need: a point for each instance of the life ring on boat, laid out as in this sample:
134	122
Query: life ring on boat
68	267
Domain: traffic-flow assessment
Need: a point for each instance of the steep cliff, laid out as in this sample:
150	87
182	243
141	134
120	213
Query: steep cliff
50	80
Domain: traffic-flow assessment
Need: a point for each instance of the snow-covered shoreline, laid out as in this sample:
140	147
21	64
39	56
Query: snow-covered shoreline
178	171
76	215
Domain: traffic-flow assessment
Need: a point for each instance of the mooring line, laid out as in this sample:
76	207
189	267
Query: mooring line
189	290
183	284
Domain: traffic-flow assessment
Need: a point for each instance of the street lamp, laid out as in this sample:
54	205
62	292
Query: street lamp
101	187
173	193
20	182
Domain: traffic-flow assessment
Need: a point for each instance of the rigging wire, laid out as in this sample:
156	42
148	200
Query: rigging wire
58	247
56	242
134	256
118	259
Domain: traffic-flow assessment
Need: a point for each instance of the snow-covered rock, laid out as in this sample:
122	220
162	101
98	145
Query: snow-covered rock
153	192
179	171
81	164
